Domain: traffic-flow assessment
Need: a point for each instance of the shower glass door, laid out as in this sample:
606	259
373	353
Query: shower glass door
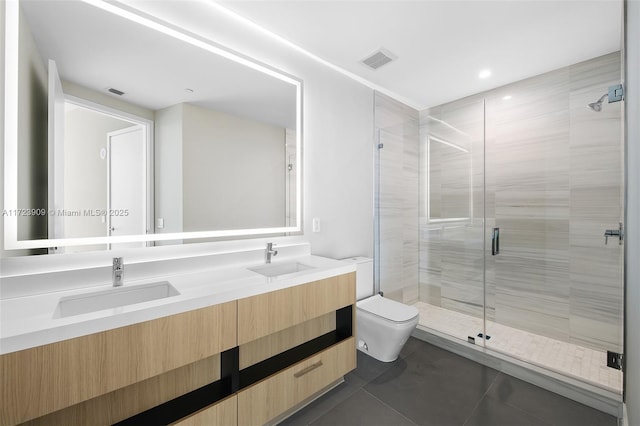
554	183
396	209
452	210
518	187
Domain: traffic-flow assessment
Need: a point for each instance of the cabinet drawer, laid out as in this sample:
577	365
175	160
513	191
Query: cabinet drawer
264	314
224	413
128	401
260	349
76	370
275	395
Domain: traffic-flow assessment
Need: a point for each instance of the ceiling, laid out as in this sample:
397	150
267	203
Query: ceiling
99	50
441	46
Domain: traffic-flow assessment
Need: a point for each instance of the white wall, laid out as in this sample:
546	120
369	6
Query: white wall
85	172
337	129
632	243
338	166
233	172
216	171
168	168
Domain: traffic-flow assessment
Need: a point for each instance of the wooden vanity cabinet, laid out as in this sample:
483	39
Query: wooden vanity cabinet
223	413
248	362
323	312
38	381
267	313
269	399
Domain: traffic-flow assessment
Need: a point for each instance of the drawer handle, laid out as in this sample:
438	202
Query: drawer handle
308	369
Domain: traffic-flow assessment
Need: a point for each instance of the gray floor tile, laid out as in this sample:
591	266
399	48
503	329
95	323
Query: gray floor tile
430	386
433	386
368	369
411	346
491	412
362	409
322	405
546	405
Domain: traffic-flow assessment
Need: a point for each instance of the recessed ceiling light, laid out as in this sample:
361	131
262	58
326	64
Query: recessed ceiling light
506	98
484	73
188	90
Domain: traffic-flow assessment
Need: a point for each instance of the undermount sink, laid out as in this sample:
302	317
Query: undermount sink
277	269
113	298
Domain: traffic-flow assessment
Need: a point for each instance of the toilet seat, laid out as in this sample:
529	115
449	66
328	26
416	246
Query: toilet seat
388	309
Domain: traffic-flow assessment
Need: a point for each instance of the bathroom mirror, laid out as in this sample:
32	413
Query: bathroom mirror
123	131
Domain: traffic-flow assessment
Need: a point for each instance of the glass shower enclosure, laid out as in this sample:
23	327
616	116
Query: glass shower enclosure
517	188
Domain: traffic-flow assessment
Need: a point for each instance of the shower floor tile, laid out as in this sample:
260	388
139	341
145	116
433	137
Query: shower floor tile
582	363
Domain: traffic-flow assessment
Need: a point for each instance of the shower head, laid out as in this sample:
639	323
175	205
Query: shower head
597	105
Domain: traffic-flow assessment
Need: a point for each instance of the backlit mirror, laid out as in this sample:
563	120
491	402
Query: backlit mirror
123	132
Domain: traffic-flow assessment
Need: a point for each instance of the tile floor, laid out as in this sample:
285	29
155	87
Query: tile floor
575	361
427	385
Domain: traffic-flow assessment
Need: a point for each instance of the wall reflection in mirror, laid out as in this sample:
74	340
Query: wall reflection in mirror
124	130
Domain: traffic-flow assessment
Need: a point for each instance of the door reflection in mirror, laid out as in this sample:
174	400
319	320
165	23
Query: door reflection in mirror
104	192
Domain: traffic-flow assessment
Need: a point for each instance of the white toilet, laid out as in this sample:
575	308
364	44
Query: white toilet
382	325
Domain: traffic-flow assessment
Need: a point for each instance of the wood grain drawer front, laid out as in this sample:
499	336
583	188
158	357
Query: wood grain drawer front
224	413
47	378
128	401
273	344
275	395
264	314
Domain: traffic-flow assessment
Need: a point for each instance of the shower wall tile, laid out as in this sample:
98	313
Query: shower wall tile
596	297
596	74
430	260
391	229
452	252
461	283
596	205
411	173
553	185
399	171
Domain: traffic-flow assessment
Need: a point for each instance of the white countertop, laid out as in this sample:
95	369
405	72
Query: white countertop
27	322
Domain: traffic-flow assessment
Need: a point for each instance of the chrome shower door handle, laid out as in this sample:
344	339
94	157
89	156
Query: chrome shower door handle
495	241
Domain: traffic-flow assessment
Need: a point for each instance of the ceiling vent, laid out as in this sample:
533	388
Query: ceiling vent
115	91
379	58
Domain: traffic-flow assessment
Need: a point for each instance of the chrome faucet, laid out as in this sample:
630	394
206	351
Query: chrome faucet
269	252
117	274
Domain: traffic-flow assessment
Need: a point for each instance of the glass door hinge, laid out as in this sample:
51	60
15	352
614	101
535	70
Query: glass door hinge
615	93
614	360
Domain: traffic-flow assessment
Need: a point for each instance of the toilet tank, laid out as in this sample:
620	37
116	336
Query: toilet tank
364	276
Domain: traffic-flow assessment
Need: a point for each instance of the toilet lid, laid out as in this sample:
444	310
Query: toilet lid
387	308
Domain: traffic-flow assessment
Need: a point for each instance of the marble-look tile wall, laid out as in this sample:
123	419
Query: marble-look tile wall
596	204
397	198
553	185
451	236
